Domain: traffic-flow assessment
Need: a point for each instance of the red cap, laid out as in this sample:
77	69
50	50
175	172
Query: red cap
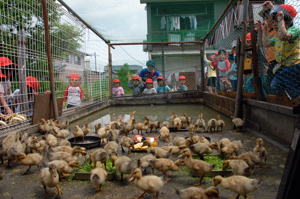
290	9
212	57
74	76
217	53
32	82
136	77
116	81
4	61
149	81
182	77
161	78
248	37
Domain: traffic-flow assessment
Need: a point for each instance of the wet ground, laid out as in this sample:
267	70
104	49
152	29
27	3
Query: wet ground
16	185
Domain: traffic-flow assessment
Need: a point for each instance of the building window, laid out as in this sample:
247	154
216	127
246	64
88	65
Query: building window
69	59
77	60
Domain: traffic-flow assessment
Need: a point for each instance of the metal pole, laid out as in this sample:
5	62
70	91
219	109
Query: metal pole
109	70
240	66
202	65
49	56
163	65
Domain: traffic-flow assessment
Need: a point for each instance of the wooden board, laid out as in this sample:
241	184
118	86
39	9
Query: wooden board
43	107
190	80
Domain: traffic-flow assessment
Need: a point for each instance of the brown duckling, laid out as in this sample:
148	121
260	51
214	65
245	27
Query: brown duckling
197	166
204	140
220	123
123	164
97	126
211	124
201	122
149	184
68	157
142	126
172	118
61	133
164	133
177	123
203	148
33	143
223	142
166	124
193	128
131	117
259	149
98	176
129	127
232	147
32	159
111	147
64	142
184	119
126	142
78	133
63	125
238	122
14	149
86	130
157	151
195	139
239	167
144	162
198	193
175	149
64	168
238	184
67	149
103	132
99	155
179	141
44	127
164	165
51	139
250	158
48	177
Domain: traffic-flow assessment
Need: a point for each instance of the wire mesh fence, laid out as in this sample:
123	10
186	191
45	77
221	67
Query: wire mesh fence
24	72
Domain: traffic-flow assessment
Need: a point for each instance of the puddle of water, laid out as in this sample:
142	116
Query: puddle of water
155	113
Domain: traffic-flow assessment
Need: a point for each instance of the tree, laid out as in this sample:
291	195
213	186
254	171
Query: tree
123	75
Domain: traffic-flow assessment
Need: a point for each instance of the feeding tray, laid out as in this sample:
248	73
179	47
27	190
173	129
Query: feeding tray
174	129
90	141
86	176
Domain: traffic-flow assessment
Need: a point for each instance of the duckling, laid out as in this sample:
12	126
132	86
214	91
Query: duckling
123	164
149	184
164	133
113	133
157	151
64	168
8	141
211	124
238	122
204	140
129	127
203	148
197	166
172	118
131	117
103	132
164	165
67	149
175	149
44	127
98	176
68	157
97	126
99	155
142	126
63	125
233	147
33	143
193	128
250	158
178	141
64	142
86	130
201	122
126	142
42	143
32	159
195	139
51	139
48	177
238	184
78	133
144	162
220	123
166	124
223	143
61	133
198	193
177	123
184	119
239	167
259	149
156	125
14	149
111	147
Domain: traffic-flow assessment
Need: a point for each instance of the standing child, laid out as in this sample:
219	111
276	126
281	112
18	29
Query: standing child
160	88
182	86
73	93
137	85
223	66
118	91
211	73
149	87
233	68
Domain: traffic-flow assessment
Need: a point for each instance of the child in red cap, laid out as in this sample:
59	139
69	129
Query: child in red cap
137	85
182	86
287	49
117	90
73	93
149	87
160	88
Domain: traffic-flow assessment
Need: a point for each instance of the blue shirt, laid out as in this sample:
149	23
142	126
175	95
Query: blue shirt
144	74
160	89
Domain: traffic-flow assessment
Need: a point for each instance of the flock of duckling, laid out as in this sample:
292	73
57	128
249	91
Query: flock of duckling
55	158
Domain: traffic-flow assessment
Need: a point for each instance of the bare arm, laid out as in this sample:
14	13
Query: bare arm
283	35
4	104
265	36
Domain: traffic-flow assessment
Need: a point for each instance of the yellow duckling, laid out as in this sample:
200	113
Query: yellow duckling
33	143
223	142
250	158
203	148
126	142
144	162
259	149
142	126
111	147
157	151
78	133
64	142
44	127
239	167
220	123
68	157
63	125
129	127
172	118
197	166
32	159
193	128
64	168
67	149
61	133
97	126
164	133
48	177
198	193
211	124
238	122
238	184
233	147
184	119
201	122
86	130
14	149
149	184
113	133
51	139
99	155
166	124
204	140
164	165
103	132
123	164
195	139
179	141
175	149
98	176
131	117
177	123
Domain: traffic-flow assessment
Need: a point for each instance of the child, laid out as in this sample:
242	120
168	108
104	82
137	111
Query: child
287	51
233	68
160	88
211	73
73	93
32	86
117	89
223	66
6	74
137	85
149	87
149	73
182	86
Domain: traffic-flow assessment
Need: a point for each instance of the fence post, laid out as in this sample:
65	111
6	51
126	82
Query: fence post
109	69
24	108
239	95
202	65
163	65
49	56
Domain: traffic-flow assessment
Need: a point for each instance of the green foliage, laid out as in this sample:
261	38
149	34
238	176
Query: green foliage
123	75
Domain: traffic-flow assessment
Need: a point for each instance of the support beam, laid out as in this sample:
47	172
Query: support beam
202	65
109	70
